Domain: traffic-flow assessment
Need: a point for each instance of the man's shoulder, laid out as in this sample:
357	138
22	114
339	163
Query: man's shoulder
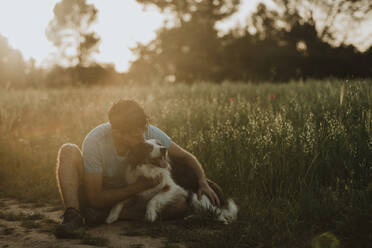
98	133
151	130
154	132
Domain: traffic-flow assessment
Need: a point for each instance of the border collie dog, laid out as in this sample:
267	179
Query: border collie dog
150	159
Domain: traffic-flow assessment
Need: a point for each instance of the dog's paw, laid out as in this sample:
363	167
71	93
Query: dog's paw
111	218
195	203
223	219
151	215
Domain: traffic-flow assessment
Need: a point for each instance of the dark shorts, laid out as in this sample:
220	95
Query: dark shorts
93	216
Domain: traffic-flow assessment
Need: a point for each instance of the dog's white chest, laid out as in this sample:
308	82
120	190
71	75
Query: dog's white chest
130	176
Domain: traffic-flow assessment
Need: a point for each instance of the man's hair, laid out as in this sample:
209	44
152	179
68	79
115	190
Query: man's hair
125	115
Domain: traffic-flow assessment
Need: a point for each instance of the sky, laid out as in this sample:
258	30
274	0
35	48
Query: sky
120	24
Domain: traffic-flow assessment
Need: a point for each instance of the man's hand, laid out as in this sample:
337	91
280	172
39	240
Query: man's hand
175	151
208	191
148	183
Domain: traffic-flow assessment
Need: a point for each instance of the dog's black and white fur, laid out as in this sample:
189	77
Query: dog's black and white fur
150	159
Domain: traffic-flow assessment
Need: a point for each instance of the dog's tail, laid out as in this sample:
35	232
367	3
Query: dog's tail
226	214
229	213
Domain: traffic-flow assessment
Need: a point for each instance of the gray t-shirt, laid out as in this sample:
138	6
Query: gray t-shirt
99	153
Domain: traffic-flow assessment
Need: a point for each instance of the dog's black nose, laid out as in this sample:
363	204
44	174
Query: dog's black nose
163	151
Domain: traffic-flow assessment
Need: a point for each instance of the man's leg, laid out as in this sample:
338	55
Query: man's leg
133	209
69	178
136	210
69	174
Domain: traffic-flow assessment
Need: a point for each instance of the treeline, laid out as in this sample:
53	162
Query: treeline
277	45
288	42
17	73
70	29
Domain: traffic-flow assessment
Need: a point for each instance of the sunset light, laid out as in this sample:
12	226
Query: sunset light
120	24
23	23
186	123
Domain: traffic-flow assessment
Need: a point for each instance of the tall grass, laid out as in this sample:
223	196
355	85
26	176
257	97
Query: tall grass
297	156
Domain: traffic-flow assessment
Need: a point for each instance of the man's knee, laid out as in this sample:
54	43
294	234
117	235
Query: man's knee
69	154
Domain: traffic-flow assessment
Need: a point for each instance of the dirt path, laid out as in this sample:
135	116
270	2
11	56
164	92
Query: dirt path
28	225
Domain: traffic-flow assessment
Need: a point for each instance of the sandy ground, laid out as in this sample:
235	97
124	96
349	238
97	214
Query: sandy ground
28	225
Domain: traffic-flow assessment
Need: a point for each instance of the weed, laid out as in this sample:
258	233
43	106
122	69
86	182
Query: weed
295	157
8	231
136	245
54	208
30	224
168	244
9	216
95	241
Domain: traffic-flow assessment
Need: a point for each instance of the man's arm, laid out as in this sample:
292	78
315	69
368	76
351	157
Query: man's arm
100	198
97	196
178	152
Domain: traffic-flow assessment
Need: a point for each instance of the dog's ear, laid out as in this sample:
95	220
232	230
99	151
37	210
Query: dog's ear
139	153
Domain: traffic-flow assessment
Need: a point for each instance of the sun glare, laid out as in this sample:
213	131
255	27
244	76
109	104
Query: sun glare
23	22
120	24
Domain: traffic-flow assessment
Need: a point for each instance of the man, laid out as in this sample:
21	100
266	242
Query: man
92	181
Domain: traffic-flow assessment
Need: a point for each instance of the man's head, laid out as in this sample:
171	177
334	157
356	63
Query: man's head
128	123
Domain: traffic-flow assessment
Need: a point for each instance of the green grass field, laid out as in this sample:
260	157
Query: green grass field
296	157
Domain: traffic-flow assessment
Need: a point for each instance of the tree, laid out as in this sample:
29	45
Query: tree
12	65
335	21
293	42
210	10
70	31
189	49
297	39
